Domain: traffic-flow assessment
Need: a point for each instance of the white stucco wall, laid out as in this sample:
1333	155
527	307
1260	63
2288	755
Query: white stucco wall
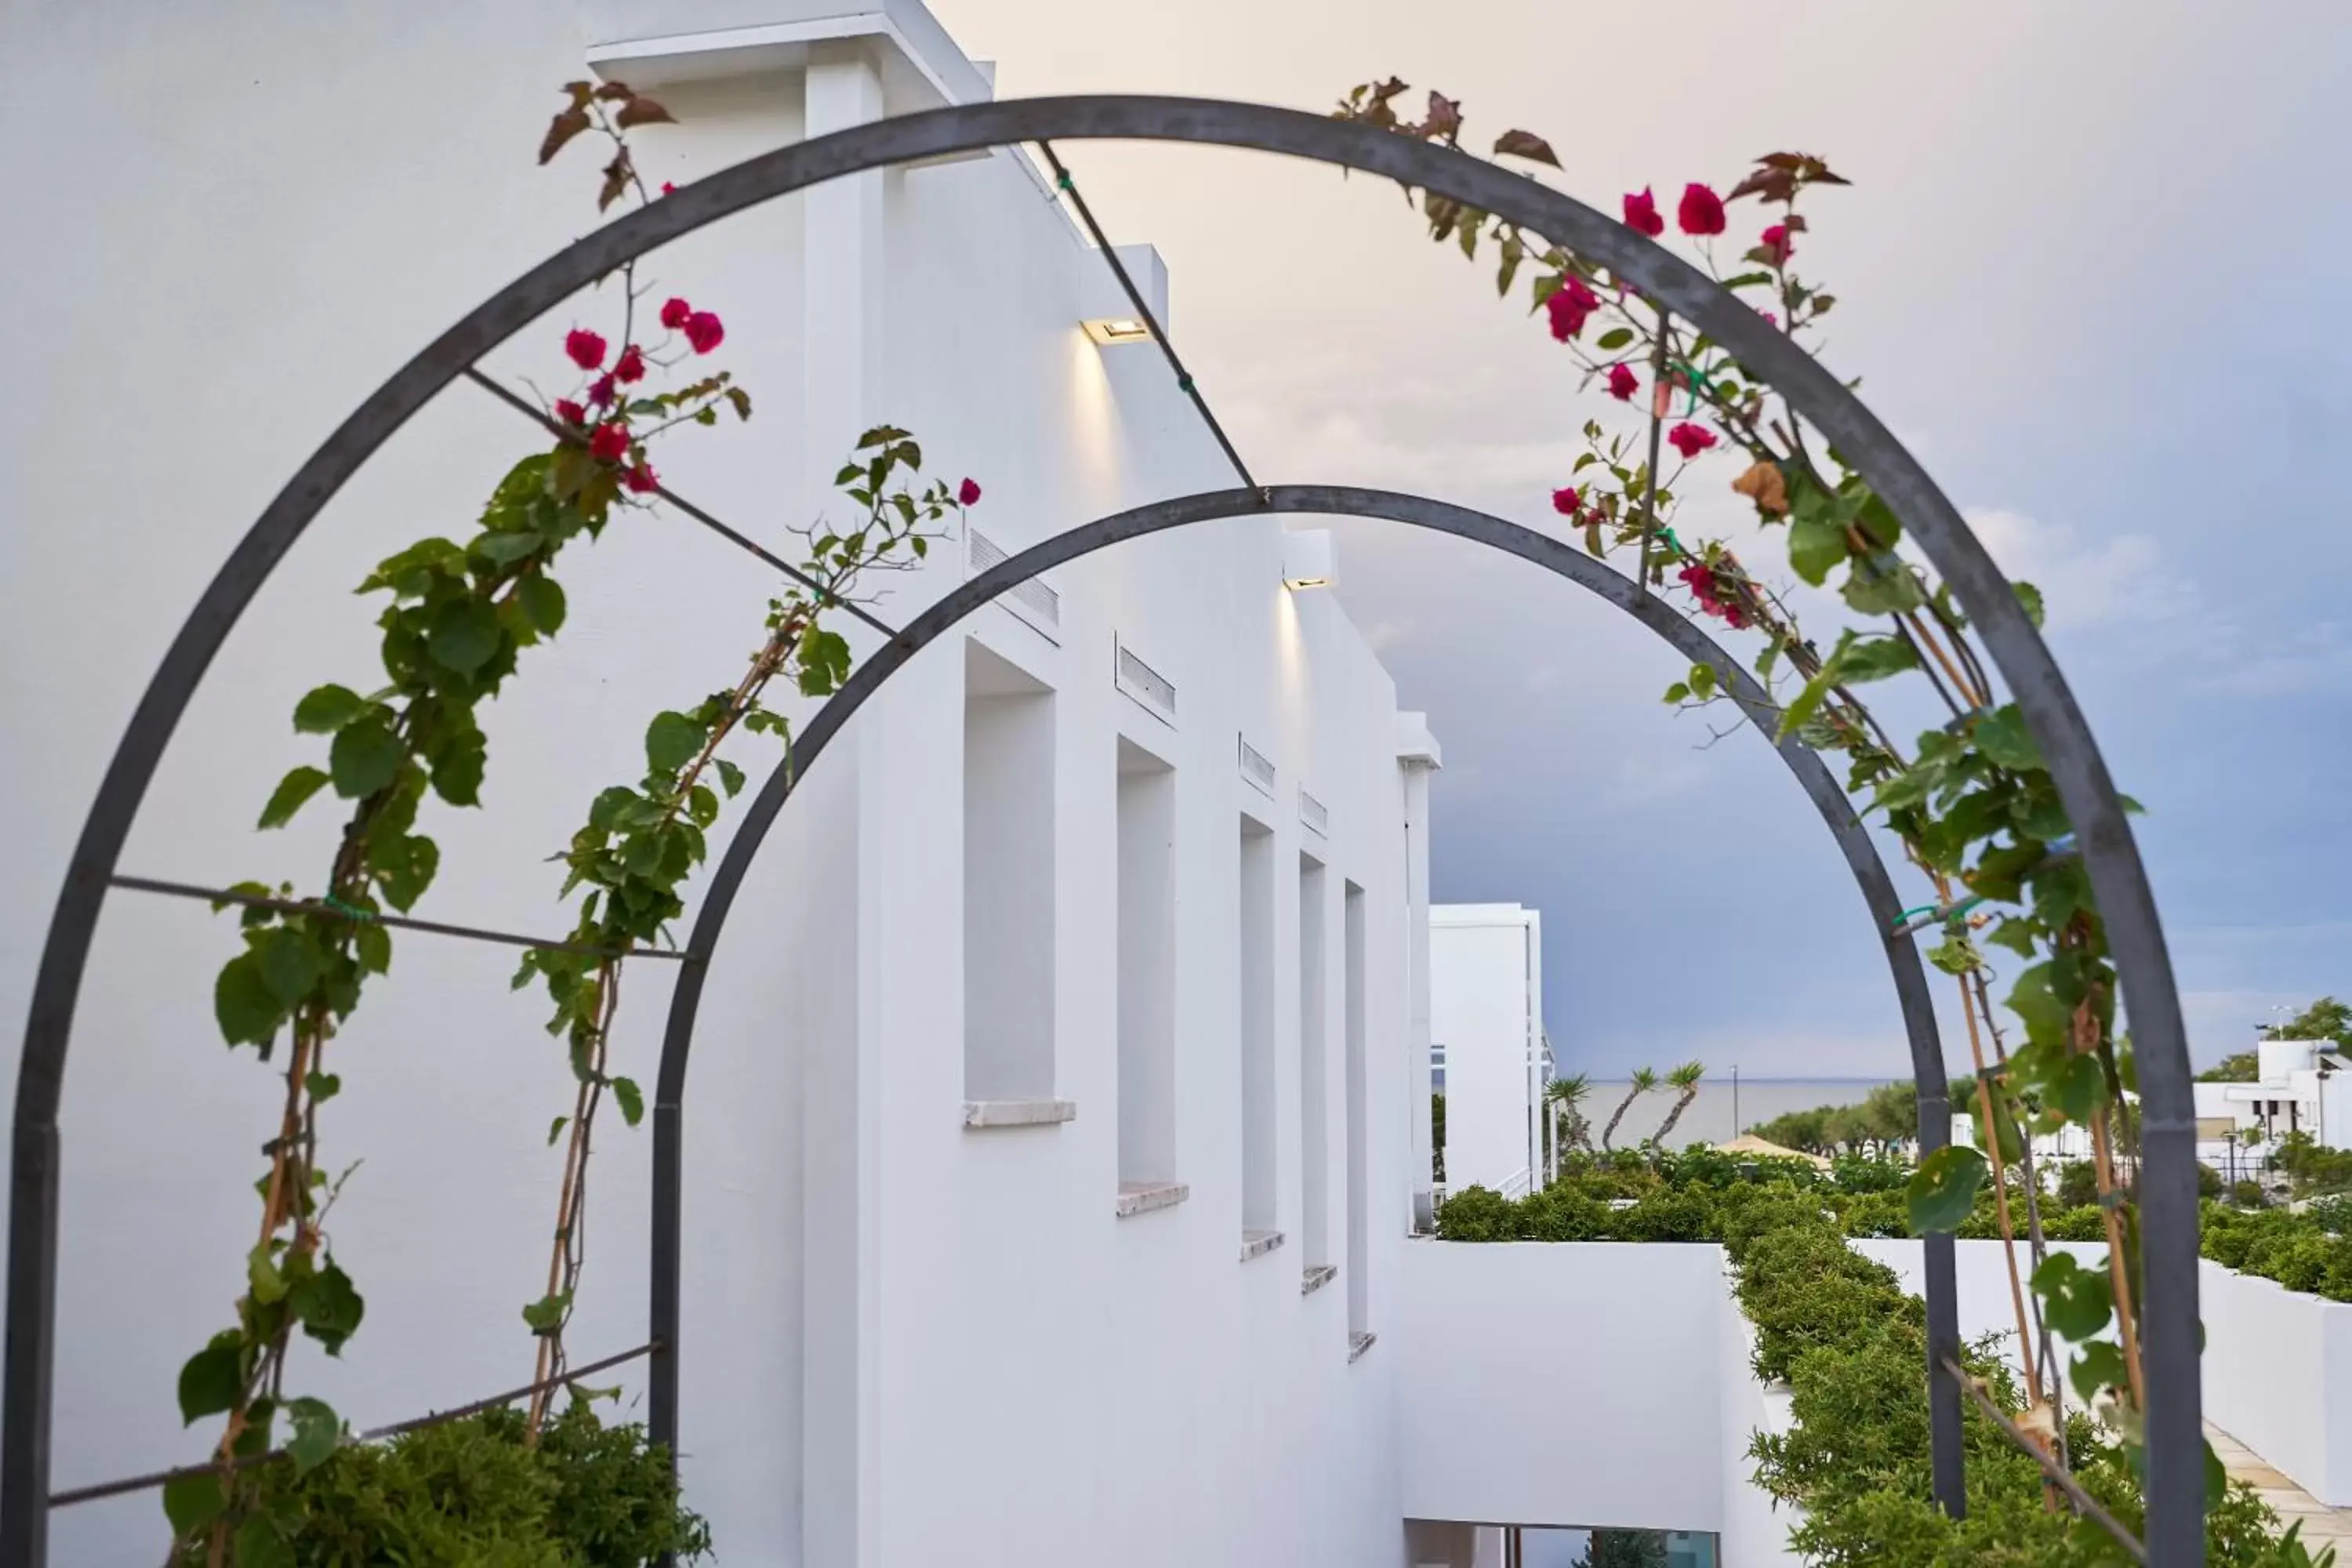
2278	1376
1485	992
903	1339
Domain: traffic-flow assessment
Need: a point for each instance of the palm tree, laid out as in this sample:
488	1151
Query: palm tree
1567	1097
1684	1080
1644	1079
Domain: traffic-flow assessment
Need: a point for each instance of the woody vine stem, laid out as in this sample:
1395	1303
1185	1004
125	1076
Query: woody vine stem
459	619
1972	802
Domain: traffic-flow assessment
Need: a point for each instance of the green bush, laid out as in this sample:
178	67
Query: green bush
473	1494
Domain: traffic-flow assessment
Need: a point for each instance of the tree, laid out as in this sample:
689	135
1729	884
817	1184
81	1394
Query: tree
1624	1548
1566	1096
1437	1137
2326	1019
1683	1080
2238	1066
1644	1079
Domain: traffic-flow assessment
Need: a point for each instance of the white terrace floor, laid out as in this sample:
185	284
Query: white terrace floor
2322	1525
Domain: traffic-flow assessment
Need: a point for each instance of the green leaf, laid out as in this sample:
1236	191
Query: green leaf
2037	1006
2098	1366
365	757
322	1086
1944	1188
375	945
672	740
498	548
212	1379
404	866
1679	694
258	1544
290	965
243	1002
1806	703
546	1315
630	1100
2015	935
1875	659
2076	1301
465	635
2002	737
555	1129
702	805
292	791
317	1432
2030	597
1817	544
192	1502
728	774
1955	955
2080	1090
1882	589
326	708
328	1307
2003	1136
542	599
1615	338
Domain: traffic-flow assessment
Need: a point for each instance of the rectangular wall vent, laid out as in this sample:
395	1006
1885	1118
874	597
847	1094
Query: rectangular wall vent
1034	602
1314	813
1154	690
1256	767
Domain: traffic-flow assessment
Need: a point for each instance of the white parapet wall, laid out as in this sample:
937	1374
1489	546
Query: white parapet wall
1580	1385
2278	1376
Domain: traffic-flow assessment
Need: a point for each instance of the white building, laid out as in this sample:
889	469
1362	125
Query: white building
2300	1086
1487	1038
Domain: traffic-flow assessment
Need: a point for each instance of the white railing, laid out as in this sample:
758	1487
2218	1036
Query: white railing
1518	1184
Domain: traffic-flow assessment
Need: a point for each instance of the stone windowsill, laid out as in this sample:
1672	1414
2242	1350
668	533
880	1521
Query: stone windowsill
1315	1276
1357	1344
984	1113
1258	1243
1142	1197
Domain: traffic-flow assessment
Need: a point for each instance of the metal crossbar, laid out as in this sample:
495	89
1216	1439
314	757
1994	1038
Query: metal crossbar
1184	382
368	916
2056	1473
375	1434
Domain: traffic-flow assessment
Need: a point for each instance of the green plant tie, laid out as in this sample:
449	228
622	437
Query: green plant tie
1063	181
1693	379
349	911
1183	383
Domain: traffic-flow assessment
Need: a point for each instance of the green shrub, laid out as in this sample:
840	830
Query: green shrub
472	1494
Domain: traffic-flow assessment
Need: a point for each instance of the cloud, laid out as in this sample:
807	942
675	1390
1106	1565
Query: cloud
2085	583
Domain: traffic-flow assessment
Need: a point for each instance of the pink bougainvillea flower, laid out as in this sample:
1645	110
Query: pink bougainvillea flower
1771	315
667	188
1623	383
1642	213
600	391
570	412
586	349
1569	306
1775	243
1564	500
1701	211
674	313
1697	579
704	330
968	493
630	366
640	477
1690	439
610	443
1733	615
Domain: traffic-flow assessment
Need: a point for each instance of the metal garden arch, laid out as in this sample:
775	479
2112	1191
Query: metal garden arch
2168	1196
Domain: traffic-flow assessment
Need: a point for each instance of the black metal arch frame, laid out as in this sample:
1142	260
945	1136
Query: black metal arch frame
2170	1333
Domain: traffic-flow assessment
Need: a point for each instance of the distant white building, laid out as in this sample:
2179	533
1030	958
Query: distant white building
2300	1086
1488	1052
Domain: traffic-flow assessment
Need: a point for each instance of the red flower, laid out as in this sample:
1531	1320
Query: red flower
1698	580
1642	213
1569	305
586	349
610	443
600	391
1564	500
674	313
640	477
1690	440
1623	383
570	412
1775	242
1701	212
968	493
667	188
630	366
1772	317
704	331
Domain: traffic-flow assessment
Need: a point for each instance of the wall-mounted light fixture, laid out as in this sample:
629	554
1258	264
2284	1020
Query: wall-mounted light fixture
1109	330
1308	559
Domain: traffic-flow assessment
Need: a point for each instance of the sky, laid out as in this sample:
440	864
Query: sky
2083	271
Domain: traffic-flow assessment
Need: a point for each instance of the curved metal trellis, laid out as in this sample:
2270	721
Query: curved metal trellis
1853	840
2168	1184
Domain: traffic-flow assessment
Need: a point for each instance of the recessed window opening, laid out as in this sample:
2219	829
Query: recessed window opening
1008	881
1358	1162
1314	1108
1257	1028
1147	970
